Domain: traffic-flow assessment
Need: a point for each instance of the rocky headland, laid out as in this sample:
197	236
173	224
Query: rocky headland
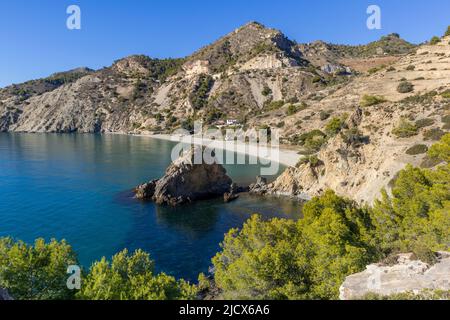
185	181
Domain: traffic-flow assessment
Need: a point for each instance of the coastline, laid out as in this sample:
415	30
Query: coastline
280	155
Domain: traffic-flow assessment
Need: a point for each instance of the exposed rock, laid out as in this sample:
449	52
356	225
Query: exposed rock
233	194
185	181
407	275
4	295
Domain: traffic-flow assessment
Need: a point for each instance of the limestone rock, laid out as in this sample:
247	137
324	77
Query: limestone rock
407	275
185	181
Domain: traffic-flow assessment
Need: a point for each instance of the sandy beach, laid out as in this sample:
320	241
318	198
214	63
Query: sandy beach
280	155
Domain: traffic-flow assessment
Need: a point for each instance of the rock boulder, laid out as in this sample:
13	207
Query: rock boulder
405	276
186	182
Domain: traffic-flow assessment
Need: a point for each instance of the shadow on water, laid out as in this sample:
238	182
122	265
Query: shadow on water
182	240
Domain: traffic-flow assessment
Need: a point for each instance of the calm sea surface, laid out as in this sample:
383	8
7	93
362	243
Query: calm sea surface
77	187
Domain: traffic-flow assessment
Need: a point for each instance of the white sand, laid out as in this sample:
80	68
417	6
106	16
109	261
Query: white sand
278	155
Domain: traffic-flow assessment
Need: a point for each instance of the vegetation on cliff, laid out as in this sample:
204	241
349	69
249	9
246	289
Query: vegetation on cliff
275	259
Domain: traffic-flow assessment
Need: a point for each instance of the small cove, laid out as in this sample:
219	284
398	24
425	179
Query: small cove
77	187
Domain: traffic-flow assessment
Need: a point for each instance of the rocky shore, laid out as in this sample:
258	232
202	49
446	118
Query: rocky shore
186	182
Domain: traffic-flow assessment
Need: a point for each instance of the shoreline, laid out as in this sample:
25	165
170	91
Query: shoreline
279	155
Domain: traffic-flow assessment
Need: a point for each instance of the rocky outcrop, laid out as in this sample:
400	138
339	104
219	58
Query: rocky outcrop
405	276
185	181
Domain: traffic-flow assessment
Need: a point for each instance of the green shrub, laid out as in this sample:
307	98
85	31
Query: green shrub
447	33
368	100
284	259
421	99
36	272
390	69
316	79
423	123
132	277
433	134
435	40
324	115
446	119
293	109
312	160
405	87
312	141
417	149
354	137
446	94
405	129
266	91
200	93
441	150
275	105
375	70
334	126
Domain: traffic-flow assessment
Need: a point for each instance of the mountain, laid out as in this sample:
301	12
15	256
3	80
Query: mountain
256	75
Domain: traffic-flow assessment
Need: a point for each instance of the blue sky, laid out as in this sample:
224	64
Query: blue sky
36	42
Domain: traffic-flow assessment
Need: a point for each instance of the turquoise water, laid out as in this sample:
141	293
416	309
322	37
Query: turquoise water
77	187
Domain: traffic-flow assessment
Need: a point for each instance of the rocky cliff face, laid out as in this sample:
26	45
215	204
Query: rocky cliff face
364	154
185	181
405	276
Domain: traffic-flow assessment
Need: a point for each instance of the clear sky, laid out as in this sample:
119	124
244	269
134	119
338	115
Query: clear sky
36	42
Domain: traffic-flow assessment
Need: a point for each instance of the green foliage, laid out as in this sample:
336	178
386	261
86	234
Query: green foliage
446	94
447	33
316	79
312	160
368	100
441	150
293	108
199	96
36	272
334	126
309	259
405	87
275	105
433	134
266	91
423	123
131	277
324	115
312	141
417	216
354	137
417	149
435	40
405	129
375	69
159	69
421	99
283	259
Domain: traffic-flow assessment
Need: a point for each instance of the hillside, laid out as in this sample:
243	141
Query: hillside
259	77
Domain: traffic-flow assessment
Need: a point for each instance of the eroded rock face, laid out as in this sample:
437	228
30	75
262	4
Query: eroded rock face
407	275
185	182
